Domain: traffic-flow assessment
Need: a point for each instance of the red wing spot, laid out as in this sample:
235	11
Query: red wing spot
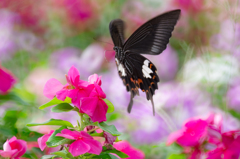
132	80
146	91
152	83
140	80
154	77
150	66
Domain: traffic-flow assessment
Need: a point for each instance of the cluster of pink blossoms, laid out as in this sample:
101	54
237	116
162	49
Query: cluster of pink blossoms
204	138
86	96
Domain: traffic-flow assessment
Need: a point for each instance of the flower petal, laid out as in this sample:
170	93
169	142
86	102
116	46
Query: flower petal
62	94
74	76
95	146
66	133
6	146
78	148
51	88
42	140
95	79
7	80
76	95
99	112
100	92
8	154
132	152
86	135
173	137
88	105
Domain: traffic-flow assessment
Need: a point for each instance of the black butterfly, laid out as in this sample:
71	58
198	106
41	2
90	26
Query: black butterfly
151	38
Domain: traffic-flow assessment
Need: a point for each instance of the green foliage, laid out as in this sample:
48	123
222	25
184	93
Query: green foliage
12	97
55	141
177	156
110	106
57	122
63	154
106	156
113	116
54	101
62	107
119	153
48	157
109	128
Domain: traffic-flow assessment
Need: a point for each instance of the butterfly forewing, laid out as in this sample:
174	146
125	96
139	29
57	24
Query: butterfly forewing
153	36
116	28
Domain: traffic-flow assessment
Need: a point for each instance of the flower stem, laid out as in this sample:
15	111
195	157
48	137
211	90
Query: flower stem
82	126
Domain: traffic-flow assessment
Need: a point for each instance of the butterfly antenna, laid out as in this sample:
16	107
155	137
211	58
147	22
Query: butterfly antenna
103	41
153	107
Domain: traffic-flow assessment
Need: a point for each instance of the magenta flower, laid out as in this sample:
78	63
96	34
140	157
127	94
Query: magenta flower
95	79
74	89
230	147
42	140
126	148
193	133
94	105
84	143
7	80
13	148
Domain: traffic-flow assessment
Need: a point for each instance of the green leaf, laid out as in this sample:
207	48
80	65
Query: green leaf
12	97
48	156
106	156
63	154
110	106
109	128
62	107
58	122
119	153
55	101
235	114
177	156
97	134
54	141
113	116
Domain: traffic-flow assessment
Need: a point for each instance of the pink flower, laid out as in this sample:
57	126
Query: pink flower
84	143
189	5
126	148
193	133
42	140
94	105
74	89
7	80
14	148
230	147
95	79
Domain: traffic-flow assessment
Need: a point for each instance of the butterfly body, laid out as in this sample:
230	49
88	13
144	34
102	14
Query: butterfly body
135	70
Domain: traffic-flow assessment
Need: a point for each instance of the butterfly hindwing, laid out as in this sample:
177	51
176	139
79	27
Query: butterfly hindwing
153	36
143	76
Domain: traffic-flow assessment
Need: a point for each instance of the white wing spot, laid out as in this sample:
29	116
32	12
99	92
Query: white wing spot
122	70
117	61
146	70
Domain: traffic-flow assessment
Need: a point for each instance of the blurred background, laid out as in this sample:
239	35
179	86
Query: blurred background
199	70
